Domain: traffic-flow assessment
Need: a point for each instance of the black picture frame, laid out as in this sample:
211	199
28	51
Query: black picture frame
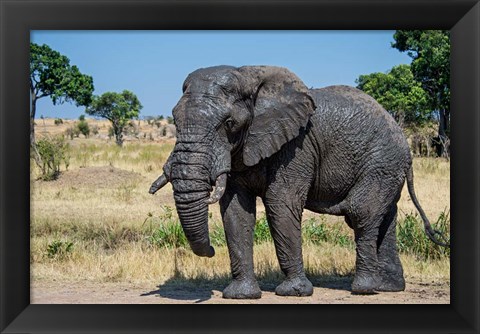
18	17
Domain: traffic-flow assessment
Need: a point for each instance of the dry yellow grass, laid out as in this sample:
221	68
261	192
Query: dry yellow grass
48	127
432	187
105	193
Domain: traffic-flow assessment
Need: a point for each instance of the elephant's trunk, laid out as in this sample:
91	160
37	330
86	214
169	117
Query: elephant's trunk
191	189
192	169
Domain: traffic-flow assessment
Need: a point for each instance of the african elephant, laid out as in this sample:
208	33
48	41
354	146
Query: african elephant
257	131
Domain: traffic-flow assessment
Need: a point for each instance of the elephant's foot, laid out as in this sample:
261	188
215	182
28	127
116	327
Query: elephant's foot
298	286
365	284
391	282
242	289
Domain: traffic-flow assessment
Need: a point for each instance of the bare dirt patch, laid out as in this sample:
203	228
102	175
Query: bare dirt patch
96	177
335	291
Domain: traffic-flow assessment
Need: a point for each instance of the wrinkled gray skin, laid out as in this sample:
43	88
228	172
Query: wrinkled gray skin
258	131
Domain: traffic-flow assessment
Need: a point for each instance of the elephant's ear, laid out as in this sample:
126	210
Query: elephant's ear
281	107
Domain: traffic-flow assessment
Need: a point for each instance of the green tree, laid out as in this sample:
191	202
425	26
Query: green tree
118	108
430	53
399	93
52	75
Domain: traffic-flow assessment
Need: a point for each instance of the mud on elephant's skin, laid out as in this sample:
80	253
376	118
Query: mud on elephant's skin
257	131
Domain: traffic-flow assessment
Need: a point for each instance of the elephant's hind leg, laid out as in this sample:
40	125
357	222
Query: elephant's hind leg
390	268
371	216
366	279
365	213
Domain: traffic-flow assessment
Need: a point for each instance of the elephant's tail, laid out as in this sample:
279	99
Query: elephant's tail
431	233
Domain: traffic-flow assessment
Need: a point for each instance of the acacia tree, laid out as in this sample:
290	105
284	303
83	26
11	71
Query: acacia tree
52	75
430	53
118	108
399	93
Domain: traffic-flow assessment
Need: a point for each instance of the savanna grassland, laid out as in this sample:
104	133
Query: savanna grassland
98	236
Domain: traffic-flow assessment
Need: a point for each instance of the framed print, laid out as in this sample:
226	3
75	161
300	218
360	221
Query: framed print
18	312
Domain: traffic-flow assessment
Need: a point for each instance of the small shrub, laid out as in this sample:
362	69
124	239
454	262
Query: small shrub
59	249
170	120
58	121
53	153
83	126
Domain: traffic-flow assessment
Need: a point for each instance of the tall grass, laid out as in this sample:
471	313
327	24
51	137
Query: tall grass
148	156
164	230
411	237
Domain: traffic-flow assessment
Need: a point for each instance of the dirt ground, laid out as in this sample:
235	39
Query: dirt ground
335	291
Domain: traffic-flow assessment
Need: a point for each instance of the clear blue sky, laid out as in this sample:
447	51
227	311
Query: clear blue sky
154	64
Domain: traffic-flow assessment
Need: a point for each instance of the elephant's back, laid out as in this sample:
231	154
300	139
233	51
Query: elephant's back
348	110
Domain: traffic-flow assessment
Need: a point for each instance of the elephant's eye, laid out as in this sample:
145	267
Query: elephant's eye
229	123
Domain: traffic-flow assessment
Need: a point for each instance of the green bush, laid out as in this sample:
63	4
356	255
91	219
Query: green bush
262	231
411	237
318	232
165	230
58	121
53	153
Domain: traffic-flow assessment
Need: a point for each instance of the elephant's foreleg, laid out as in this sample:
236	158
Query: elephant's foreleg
390	268
284	220
238	214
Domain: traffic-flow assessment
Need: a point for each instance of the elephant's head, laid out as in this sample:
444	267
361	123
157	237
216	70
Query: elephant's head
228	116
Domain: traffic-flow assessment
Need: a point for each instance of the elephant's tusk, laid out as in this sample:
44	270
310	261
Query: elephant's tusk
158	184
220	185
